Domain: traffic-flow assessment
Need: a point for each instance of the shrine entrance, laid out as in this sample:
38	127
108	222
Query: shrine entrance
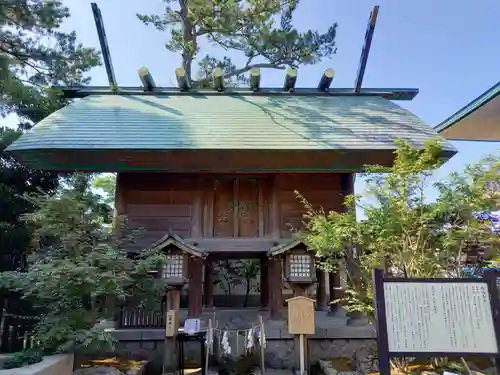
262	281
235	281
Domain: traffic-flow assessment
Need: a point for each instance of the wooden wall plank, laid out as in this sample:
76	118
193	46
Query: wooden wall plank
248	207
236	207
223	221
261	203
274	209
225	206
197	212
208	207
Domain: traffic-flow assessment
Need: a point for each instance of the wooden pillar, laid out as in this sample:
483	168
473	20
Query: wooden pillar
209	283
335	293
120	209
275	289
111	307
195	270
351	264
174	299
170	349
321	302
352	258
264	283
299	290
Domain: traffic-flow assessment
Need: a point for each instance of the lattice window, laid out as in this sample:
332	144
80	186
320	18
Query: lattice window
174	268
300	265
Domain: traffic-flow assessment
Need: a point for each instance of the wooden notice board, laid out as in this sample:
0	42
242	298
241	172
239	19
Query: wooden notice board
301	316
436	317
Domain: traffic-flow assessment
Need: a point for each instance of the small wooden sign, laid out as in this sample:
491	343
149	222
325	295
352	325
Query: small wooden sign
301	316
171	324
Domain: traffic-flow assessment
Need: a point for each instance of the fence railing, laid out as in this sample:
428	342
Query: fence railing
16	333
140	317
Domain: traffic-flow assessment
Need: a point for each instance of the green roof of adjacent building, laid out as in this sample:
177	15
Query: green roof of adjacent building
479	120
183	122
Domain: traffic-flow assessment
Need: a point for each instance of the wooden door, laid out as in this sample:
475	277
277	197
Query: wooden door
223	220
236	207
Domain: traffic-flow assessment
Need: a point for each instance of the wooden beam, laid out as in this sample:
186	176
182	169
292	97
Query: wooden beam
370	29
103	41
146	79
71	92
230	244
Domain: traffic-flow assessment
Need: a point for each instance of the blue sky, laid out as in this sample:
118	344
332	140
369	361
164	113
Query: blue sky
446	49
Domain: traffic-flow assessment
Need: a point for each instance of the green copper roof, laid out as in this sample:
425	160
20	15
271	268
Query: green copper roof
226	122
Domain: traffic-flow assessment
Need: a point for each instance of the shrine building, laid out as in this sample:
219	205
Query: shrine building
211	174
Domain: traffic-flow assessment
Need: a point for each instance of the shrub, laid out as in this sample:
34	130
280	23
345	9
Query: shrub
21	359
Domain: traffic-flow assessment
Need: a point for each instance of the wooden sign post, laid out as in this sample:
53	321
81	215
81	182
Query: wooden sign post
437	317
262	344
171	323
171	328
301	323
210	343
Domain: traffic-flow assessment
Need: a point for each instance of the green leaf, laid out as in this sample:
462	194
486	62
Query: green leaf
405	233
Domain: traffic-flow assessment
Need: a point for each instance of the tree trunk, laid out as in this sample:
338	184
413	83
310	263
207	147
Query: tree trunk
247	293
189	40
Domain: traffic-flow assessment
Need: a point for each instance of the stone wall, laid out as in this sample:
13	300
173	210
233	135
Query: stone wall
279	353
60	364
334	337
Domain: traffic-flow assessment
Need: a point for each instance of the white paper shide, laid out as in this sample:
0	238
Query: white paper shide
450	317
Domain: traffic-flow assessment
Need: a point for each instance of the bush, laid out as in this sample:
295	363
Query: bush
21	359
79	264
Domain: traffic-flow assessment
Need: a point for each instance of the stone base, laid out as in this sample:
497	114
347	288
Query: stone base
279	352
333	338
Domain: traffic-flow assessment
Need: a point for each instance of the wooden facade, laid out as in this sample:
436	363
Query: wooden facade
228	216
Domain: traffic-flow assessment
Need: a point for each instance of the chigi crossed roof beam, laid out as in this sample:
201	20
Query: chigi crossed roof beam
184	86
370	29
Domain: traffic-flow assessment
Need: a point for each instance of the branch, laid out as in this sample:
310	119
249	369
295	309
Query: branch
247	68
23	58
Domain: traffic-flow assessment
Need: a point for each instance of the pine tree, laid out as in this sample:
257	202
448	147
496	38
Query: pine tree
259	30
34	54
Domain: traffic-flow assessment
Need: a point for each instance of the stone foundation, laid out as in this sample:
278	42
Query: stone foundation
333	338
279	352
